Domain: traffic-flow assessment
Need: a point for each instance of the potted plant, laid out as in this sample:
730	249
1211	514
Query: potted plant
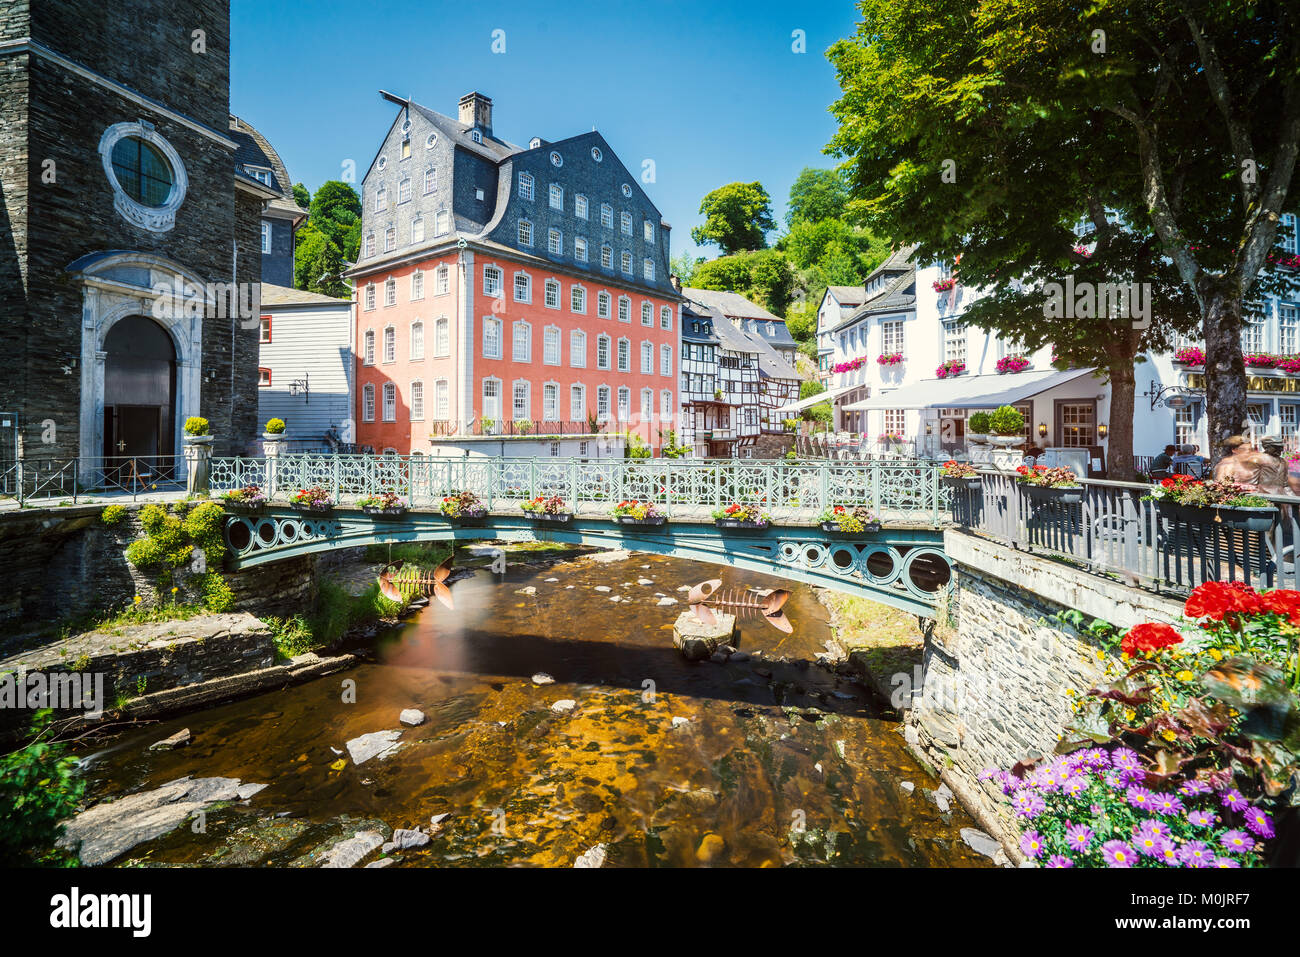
977	427
960	474
387	504
1008	364
547	509
1006	426
735	515
952	367
524	427
717	395
248	500
1190	356
1045	484
315	500
848	521
633	512
943	285
463	507
1181	498
274	429
197	431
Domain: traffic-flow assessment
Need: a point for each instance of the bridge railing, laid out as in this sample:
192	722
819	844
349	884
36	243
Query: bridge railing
795	489
1114	531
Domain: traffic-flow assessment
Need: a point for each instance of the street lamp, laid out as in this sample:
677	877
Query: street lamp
1042	430
1101	430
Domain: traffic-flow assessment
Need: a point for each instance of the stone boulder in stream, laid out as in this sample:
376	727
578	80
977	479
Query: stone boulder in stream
111	828
377	744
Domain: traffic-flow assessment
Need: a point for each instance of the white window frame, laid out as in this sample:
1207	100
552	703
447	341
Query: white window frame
491	343
441	400
368	402
417	285
525	233
441	280
555	242
526	190
551	405
666	317
441	337
580	206
551	293
666	359
603	342
578	299
624	354
417	400
607	215
647	312
527	388
647	357
577	409
416	336
521	341
603	302
577	349
493	275
624	309
524	281
551	348
389	408
555	196
487	400
390	345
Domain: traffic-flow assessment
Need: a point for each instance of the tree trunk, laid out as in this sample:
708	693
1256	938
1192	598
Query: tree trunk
1119	450
1225	370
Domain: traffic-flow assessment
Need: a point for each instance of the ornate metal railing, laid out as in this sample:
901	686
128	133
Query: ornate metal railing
902	491
1113	531
137	475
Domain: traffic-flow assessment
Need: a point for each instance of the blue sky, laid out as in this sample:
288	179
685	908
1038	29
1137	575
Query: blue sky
712	92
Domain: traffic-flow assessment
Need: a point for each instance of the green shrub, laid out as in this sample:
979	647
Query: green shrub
524	426
978	423
113	514
39	789
217	594
1006	420
292	636
275	426
197	425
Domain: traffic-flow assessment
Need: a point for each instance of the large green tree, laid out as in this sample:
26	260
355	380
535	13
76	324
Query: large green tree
1098	140
736	217
763	277
329	239
817	194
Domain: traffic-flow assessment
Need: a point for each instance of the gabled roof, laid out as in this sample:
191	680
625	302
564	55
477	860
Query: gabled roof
848	295
253	149
491	148
273	295
730	304
899	274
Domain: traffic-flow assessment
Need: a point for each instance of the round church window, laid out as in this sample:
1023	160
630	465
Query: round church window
142	171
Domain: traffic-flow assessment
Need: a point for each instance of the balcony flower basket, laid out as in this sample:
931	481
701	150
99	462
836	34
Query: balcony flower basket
1046	485
1181	498
1012	364
633	512
841	520
1290	364
943	285
314	500
849	366
890	359
953	367
463	508
547	509
737	516
1190	356
1260	360
960	475
248	500
387	504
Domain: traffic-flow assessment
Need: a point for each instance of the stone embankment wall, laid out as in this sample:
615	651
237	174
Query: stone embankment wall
64	562
1000	674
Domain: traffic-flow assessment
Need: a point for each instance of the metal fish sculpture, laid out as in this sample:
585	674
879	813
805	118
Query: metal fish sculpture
400	587
705	597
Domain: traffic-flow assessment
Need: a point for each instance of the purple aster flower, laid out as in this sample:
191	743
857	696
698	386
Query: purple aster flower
1259	822
1194	788
1140	797
1200	818
1226	862
1167	804
1031	842
1097	758
1118	854
1196	854
1059	860
1237	840
1074	785
1159	827
1148	843
1029	804
1169	854
1232	798
1047	780
1125	759
1078	836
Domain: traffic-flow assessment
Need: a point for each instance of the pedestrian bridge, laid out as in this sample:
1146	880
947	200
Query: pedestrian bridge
901	564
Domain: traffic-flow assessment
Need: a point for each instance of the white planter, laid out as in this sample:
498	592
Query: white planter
199	439
977	438
1005	441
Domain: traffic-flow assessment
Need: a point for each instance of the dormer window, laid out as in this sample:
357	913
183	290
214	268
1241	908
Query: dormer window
476	136
535	142
261	175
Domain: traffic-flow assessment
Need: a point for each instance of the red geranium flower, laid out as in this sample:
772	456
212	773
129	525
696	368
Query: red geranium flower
1215	600
1149	637
1284	603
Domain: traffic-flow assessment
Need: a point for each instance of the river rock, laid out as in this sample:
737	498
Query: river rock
177	740
979	842
907	786
740	656
542	678
614	555
246	791
662	602
404	838
698	641
645	581
111	828
592	857
564	705
377	744
680	722
412	717
382	862
710	849
351	852
603	588
943	797
527	590
552	579
436	821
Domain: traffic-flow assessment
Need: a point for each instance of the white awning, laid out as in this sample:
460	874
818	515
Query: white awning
812	400
969	392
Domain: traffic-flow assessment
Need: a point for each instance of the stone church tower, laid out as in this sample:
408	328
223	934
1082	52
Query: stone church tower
129	239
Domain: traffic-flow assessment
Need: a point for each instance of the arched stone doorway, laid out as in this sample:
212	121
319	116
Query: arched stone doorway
139	393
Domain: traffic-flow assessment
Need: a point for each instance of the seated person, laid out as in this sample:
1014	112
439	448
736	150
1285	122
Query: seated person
1162	466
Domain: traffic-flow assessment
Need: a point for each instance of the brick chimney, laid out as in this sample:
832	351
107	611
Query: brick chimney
677	283
476	111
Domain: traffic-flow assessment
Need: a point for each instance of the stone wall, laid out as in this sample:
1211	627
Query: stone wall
64	562
1000	675
772	445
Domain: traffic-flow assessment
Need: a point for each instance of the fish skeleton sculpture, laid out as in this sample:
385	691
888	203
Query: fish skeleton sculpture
706	596
400	587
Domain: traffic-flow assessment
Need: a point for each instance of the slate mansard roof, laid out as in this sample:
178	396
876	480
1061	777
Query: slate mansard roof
465	169
252	149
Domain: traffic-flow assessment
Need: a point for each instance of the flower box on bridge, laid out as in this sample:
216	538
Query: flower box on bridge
1059	494
1241	517
963	483
244	508
380	511
834	528
311	508
648	520
740	523
559	518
